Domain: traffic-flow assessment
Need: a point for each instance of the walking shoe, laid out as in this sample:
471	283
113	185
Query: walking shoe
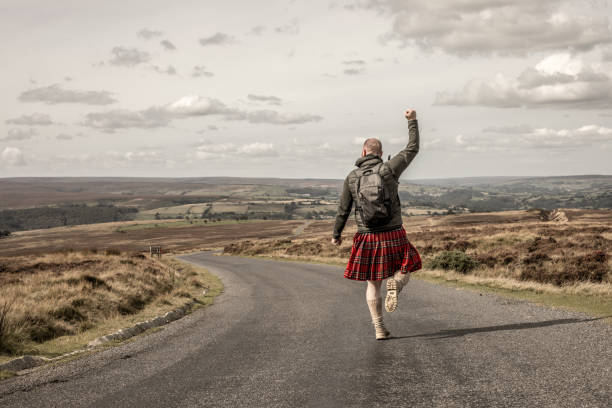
381	332
393	289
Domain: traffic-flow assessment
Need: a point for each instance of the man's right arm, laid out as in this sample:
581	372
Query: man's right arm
344	209
400	161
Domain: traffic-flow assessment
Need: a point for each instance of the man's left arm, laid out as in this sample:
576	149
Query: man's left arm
400	161
344	210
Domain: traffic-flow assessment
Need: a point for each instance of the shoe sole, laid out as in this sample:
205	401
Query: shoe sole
391	299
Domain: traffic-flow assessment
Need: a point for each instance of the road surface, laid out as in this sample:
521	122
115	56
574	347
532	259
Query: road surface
294	334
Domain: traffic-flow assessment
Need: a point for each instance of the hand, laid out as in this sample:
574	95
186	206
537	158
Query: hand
336	241
410	114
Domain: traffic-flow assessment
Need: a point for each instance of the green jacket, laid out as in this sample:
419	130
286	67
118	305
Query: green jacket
390	172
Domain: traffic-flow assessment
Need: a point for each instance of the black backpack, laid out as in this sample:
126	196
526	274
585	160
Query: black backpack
373	200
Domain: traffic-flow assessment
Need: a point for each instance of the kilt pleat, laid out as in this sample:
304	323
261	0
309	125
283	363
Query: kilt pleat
378	255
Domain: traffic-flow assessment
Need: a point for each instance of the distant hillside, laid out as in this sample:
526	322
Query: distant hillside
30	203
512	193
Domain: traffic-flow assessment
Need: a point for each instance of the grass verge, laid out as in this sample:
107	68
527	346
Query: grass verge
188	283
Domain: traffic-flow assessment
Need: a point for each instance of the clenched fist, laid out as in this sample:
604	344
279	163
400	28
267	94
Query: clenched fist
410	114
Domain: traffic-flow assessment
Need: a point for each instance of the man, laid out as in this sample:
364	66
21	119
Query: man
381	249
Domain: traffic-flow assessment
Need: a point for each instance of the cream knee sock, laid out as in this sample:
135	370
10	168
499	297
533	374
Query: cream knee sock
375	306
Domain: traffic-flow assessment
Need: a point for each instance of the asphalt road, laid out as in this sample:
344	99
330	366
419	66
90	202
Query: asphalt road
292	334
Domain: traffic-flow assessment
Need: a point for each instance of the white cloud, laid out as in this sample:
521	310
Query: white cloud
523	137
124	119
257	30
195	105
354	67
225	150
273	117
200	70
292	28
12	156
147	33
136	157
258	150
505	27
167	45
169	70
185	107
217	39
269	99
55	94
20	134
559	80
128	57
40	119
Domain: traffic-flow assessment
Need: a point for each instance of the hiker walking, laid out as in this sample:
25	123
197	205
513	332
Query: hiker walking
381	249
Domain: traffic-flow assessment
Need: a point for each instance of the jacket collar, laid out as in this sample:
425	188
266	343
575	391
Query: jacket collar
368	160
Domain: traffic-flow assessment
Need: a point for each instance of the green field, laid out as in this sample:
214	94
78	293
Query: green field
181	223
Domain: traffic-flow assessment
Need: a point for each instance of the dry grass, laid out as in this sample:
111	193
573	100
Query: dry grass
514	250
577	288
71	293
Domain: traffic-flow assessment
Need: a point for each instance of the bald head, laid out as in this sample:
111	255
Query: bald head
372	146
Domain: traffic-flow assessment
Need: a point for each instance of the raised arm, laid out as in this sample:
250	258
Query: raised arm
344	210
400	161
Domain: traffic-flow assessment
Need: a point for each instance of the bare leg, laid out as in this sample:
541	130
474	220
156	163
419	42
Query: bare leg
374	300
373	289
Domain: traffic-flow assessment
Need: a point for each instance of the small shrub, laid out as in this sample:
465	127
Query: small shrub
41	329
487	260
536	258
460	245
453	260
94	281
507	260
592	267
132	304
68	313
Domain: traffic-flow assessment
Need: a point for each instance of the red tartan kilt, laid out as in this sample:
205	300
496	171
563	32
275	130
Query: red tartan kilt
378	255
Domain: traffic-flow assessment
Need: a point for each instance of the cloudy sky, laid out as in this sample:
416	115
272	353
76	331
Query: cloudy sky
292	88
